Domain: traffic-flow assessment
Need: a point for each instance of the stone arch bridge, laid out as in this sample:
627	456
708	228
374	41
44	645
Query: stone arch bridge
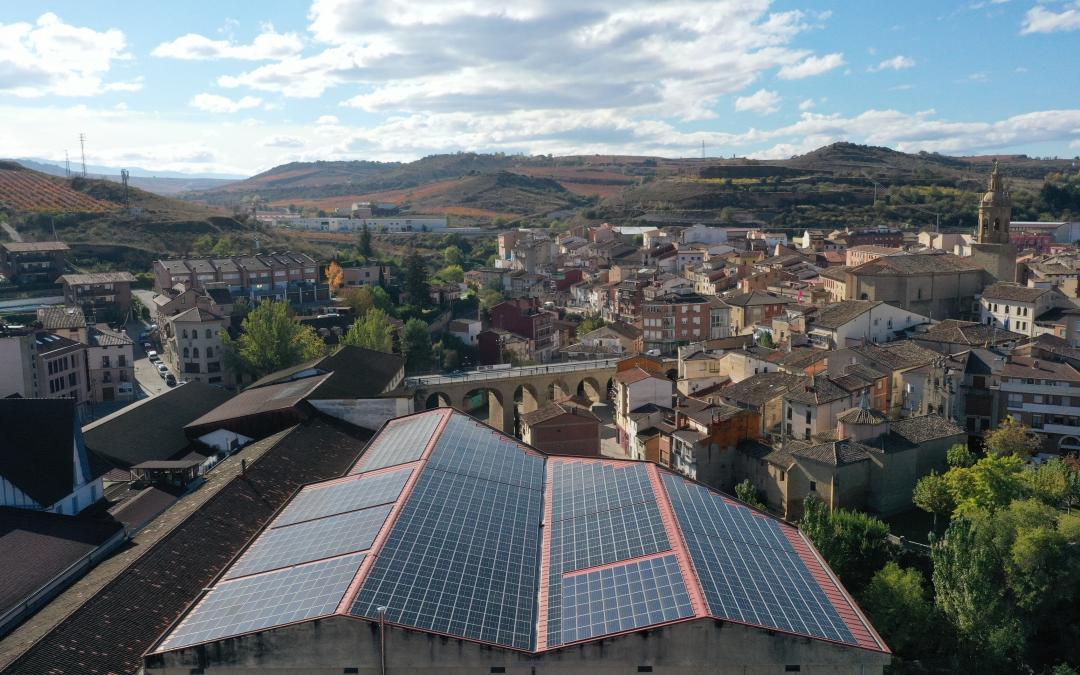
532	386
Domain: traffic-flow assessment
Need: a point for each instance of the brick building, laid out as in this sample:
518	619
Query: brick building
565	427
524	317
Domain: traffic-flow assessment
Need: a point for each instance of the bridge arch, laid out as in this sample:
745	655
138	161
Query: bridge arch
526	394
590	388
437	399
558	388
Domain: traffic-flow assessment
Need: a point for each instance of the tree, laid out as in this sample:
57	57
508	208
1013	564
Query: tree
241	307
223	248
959	456
416	345
932	494
1012	438
203	245
272	340
373	332
992	483
1049	483
335	276
365	241
590	323
895	602
491	299
854	544
452	274
417	282
365	298
746	492
727	214
453	255
766	340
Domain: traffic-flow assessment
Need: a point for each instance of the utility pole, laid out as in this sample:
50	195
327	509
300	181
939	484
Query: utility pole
82	146
67	165
124	178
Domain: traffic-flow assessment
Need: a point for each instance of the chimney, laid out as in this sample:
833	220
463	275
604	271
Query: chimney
1035	365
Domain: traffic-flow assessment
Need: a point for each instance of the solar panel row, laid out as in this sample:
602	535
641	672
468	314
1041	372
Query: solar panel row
580	488
744	574
618	520
401	442
266	600
312	540
622	598
352	495
462	558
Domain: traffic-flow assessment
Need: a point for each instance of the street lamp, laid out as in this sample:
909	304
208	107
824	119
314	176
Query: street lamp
382	638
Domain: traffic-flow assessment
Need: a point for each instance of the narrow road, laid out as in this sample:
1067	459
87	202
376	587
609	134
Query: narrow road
15	236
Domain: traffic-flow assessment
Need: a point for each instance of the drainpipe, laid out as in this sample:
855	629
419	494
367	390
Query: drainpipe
382	639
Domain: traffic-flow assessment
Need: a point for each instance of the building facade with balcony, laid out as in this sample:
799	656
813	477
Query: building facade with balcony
61	369
110	361
673	320
524	317
1015	307
290	276
1044	395
94	293
33	262
193	346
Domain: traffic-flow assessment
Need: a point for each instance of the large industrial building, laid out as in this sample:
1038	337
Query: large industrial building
483	555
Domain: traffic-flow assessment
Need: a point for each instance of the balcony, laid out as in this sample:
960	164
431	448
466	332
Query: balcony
1023	388
1063	429
1046	409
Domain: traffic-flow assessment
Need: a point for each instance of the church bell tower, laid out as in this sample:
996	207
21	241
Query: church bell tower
992	250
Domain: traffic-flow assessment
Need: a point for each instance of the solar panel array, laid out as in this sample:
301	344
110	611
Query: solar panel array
463	556
312	540
351	495
600	514
748	569
401	442
265	600
622	598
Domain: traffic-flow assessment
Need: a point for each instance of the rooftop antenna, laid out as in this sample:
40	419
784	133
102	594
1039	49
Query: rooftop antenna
82	146
67	165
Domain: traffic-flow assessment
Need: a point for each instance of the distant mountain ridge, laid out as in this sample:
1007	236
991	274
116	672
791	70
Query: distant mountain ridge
173	184
56	168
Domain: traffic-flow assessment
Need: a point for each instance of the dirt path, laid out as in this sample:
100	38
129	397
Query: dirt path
15	236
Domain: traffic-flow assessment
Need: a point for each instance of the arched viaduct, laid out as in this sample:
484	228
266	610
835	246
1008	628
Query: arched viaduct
533	386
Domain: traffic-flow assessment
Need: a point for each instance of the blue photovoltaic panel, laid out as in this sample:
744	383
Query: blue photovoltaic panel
617	518
267	600
351	495
622	598
748	571
467	448
312	540
463	556
580	488
400	443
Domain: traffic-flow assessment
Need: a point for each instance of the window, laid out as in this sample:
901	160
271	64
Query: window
789	429
106	377
105	362
789	412
1036	421
781	476
209	352
684	321
123	376
1016	400
195	353
73	379
813	486
186	353
1006	309
808	417
807	433
1038	399
121	361
185	333
208	334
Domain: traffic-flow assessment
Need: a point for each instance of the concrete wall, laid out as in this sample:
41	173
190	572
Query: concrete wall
370	413
565	435
699	647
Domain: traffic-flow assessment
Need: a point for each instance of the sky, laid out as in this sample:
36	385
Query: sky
207	87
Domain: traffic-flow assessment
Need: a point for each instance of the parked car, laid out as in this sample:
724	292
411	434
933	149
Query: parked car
163	370
170	380
151	354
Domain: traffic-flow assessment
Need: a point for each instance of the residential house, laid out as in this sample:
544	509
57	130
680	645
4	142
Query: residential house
892	358
762	394
65	322
565	427
745	362
498	346
756	307
466	330
834	280
193	347
111	361
363	276
33	262
634	388
851	321
525	317
1038	394
1016	308
95	293
811	407
673	319
62	368
44	464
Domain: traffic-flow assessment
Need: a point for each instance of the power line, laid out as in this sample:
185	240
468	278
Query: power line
902	201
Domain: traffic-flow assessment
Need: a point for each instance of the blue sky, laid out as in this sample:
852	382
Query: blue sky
211	87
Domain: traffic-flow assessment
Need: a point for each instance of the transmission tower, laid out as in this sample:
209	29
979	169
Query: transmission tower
67	165
82	146
124	178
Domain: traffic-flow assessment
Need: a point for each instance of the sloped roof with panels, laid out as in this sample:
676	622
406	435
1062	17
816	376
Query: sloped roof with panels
460	531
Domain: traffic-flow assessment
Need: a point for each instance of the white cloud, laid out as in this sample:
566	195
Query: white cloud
327	119
282	142
219	104
811	66
896	63
764	102
1074	144
55	58
269	45
808	104
1041	20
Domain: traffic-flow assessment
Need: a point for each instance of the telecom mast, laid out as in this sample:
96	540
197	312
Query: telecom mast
67	165
82	146
124	178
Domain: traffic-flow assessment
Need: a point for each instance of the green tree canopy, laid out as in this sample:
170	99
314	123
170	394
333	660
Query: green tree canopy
959	456
854	544
766	340
272	340
203	245
590	323
417	280
895	602
365	241
224	247
1012	438
365	298
452	274
453	256
373	331
416	345
932	494
749	494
